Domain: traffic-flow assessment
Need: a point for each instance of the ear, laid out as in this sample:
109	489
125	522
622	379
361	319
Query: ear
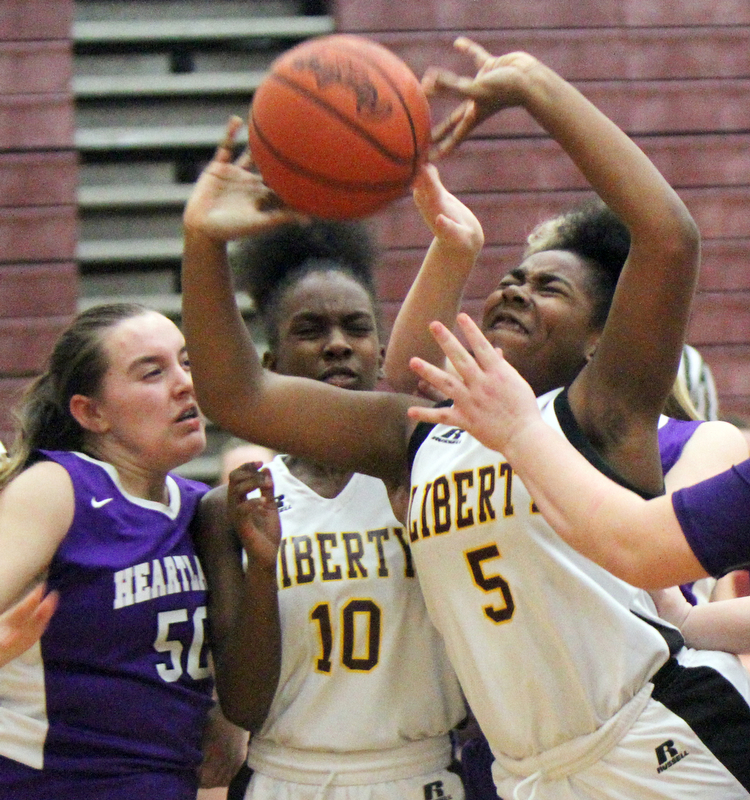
592	342
269	360
86	412
381	362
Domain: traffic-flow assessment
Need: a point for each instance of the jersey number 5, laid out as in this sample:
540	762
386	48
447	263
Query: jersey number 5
491	583
369	615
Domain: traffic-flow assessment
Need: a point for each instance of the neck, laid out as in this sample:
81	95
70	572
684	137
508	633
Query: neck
137	480
322	479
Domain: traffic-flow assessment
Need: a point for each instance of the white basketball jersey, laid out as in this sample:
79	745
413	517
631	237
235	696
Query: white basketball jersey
363	668
543	640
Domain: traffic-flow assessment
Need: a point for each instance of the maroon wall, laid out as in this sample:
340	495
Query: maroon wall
674	75
38	279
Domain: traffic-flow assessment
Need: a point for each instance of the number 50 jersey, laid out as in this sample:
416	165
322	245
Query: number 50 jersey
120	682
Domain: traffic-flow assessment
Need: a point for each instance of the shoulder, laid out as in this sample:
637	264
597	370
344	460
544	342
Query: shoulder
713	448
45	481
39	500
722	436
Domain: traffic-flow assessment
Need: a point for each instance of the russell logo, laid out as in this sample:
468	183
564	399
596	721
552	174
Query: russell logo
667	755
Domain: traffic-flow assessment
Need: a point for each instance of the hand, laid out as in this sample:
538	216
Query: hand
23	624
255	519
490	399
229	200
451	222
500	83
672	605
224	750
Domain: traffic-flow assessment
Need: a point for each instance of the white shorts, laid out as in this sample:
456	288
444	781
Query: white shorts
657	755
440	785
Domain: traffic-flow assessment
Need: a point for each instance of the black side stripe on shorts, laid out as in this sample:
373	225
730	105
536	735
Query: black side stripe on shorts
713	708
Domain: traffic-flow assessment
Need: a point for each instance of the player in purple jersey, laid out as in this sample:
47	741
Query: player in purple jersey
113	699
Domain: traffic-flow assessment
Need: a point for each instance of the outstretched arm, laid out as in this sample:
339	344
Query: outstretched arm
628	378
437	290
637	540
287	414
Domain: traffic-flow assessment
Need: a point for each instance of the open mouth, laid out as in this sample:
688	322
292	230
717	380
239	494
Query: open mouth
188	413
507	322
340	376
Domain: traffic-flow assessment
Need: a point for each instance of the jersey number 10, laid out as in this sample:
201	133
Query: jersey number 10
366	656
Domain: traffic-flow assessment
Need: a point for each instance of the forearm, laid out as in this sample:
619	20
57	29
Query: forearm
223	358
636	540
436	294
248	659
722	625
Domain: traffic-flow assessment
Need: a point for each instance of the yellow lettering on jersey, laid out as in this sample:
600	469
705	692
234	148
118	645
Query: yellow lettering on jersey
441	505
334	556
355	549
465	501
506	471
408	563
379	536
303	559
325	542
464	516
486	490
286	581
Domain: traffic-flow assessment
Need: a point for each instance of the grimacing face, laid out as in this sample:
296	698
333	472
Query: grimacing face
328	331
541	316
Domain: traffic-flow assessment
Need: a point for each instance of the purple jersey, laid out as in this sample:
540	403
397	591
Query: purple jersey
673	436
115	695
713	515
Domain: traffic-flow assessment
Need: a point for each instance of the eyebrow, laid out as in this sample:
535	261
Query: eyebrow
153	359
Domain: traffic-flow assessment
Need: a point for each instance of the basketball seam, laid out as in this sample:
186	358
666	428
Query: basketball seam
363	132
363	56
324	179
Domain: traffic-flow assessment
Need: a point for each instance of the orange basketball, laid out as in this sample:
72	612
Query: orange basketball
339	127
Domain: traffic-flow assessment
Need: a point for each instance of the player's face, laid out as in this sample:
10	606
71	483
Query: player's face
328	332
147	407
540	315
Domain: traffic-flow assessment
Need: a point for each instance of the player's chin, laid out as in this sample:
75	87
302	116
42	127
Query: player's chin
186	447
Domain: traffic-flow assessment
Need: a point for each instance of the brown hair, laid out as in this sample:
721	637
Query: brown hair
76	366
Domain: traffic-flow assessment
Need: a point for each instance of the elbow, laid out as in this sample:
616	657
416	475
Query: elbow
242	709
682	241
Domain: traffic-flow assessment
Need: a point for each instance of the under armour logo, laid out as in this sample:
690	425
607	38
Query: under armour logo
434	790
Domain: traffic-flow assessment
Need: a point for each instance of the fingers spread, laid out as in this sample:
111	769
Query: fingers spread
471	48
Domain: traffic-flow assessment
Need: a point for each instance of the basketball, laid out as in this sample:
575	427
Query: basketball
339	127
